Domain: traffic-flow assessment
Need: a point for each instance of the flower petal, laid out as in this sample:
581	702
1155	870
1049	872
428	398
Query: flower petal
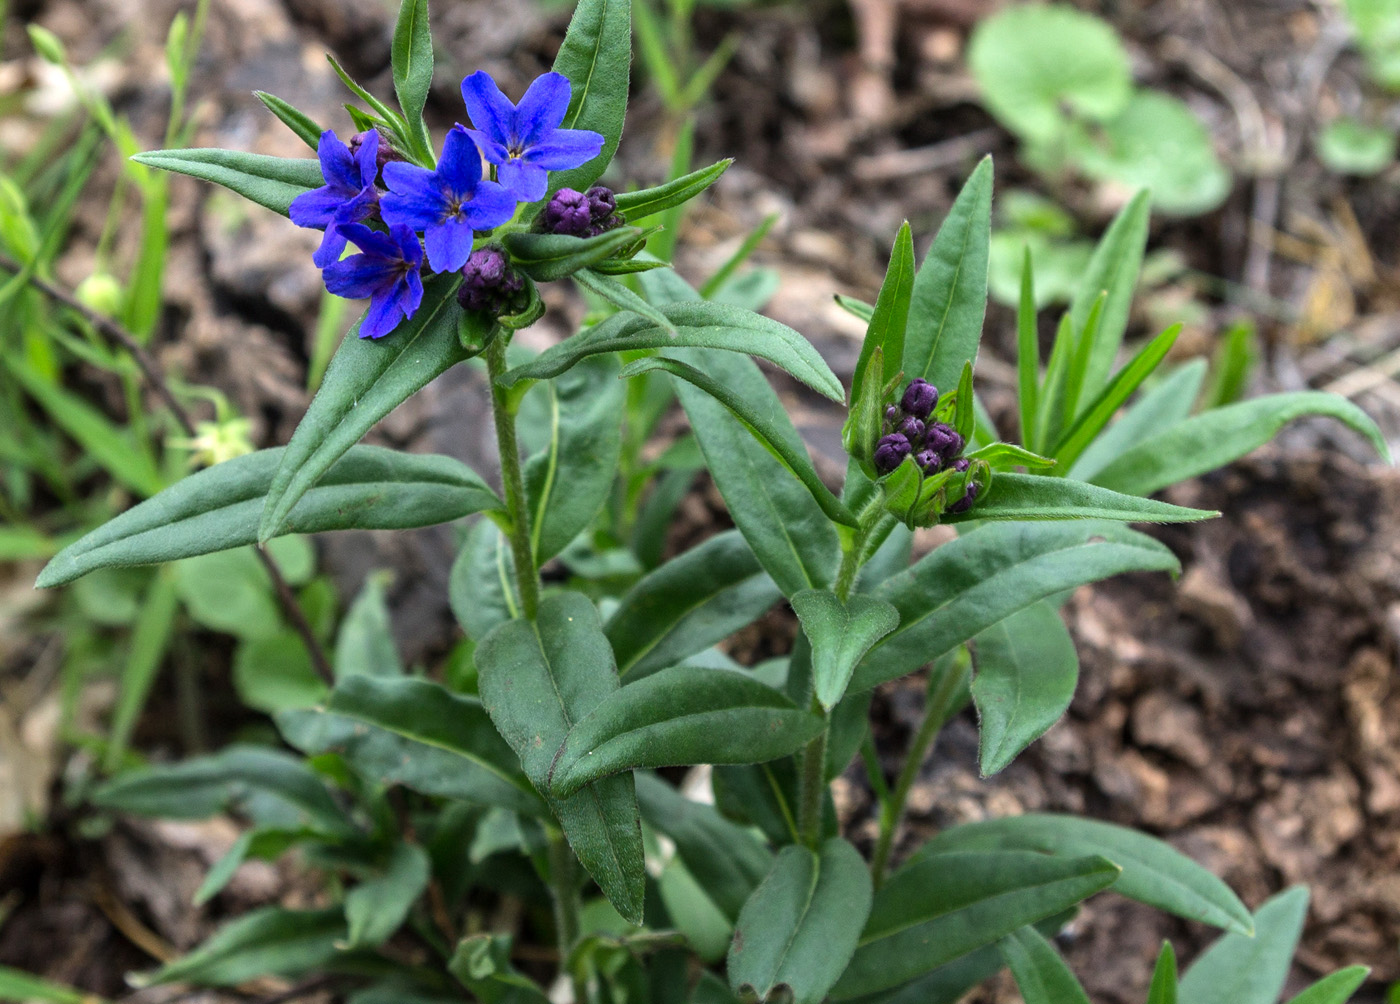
382	317
368	156
527	182
460	167
490	206
359	208
495	153
411	298
542	108
371	242
359	276
315	208
415	197
449	246
337	166
331	248
565	149
490	110
408	247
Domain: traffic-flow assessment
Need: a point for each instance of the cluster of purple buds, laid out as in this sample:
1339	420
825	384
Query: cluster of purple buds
489	283
581	214
910	431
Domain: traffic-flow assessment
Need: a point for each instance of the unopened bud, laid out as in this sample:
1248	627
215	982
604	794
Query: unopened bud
488	282
569	212
920	398
969	496
890	452
101	293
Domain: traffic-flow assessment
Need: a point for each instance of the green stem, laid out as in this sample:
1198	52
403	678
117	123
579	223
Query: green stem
563	875
527	576
946	684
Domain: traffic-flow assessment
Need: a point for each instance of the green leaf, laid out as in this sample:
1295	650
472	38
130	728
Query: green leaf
481	585
274	673
266	942
938	908
149	641
680	716
621	297
375	909
481	963
271	182
1160	408
1215	438
411	57
1336	988
884	341
229	591
1027	353
971	583
369	488
1041	975
950	290
948	984
1350	146
367	378
696	325
726	859
269	786
1239	969
570	479
549	257
365	644
537	680
841	634
799	928
596	56
688	604
265	843
1163	988
1153	872
1036	497
858	309
758	422
25	988
637	206
294	119
1113	270
1039	64
1027	669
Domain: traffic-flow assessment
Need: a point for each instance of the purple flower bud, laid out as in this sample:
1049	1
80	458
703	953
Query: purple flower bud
920	398
569	212
928	461
941	438
891	415
961	464
969	496
890	452
384	155
488	282
911	428
602	202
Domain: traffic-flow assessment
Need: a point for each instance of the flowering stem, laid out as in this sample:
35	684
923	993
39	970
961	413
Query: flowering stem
527	576
563	875
946	682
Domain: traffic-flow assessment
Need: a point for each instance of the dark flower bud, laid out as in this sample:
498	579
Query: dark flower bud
941	438
488	282
602	208
911	428
969	496
890	452
569	212
961	464
891	415
385	154
920	398
928	461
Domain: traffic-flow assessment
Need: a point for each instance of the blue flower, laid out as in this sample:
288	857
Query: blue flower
386	271
447	204
524	141
348	196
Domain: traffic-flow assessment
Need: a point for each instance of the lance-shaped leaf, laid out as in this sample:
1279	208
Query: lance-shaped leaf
971	583
950	290
1153	871
699	325
1041	975
547	257
375	909
367	378
1112	274
688	604
481	586
370	488
727	859
638	205
1214	438
1156	410
759	423
266	942
1027	669
941	907
799	928
537	679
271	182
841	634
306	128
679	716
890	317
569	480
596	56
1336	988
411	58
1239	969
1163	989
1038	497
620	296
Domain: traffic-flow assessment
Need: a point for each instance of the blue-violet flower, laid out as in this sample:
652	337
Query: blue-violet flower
524	141
448	204
348	195
386	271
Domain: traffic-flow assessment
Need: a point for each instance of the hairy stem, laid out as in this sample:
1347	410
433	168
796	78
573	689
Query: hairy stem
527	576
563	876
946	683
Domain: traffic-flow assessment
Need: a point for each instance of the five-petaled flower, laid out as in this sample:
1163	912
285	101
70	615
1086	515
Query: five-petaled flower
524	141
386	271
448	204
348	195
